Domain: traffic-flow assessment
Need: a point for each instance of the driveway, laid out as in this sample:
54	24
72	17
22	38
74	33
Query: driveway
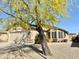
59	51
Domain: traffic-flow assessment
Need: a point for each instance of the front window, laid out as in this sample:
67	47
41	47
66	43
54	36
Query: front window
48	34
53	34
64	34
60	34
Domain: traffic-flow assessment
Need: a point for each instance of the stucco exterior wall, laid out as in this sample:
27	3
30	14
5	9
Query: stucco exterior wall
10	36
13	36
33	35
3	37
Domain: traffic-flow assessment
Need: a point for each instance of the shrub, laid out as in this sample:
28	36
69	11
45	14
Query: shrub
54	40
65	40
75	39
37	40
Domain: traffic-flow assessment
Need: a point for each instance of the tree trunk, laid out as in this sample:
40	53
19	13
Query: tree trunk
45	48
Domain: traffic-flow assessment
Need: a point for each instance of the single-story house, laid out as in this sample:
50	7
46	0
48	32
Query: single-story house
58	35
73	35
54	34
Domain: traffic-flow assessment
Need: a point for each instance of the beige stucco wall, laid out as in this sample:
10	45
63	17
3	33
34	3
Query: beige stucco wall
33	35
18	34
3	37
11	36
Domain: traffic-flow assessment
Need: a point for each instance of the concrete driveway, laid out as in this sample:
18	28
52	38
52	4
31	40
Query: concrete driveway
59	51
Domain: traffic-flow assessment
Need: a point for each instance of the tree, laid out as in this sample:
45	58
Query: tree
37	14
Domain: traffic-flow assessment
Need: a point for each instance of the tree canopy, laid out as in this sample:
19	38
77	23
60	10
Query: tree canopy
34	12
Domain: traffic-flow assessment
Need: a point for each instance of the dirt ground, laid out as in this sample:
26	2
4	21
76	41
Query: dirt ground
59	51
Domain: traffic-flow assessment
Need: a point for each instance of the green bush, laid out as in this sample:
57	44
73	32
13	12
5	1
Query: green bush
37	40
65	40
75	39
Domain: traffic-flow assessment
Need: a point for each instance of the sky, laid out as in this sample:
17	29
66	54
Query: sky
71	24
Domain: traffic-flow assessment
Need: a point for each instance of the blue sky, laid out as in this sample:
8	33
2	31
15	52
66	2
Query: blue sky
71	24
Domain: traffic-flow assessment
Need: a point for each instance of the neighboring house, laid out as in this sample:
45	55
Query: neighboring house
73	35
54	34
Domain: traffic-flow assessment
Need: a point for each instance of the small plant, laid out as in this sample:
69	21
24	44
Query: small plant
65	40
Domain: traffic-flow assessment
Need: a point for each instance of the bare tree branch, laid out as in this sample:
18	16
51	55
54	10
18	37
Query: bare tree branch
7	13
